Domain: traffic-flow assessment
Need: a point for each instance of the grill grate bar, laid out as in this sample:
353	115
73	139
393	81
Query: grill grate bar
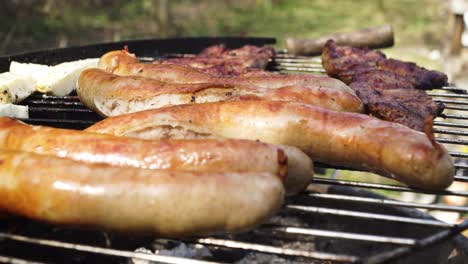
454	116
305	65
458	154
295	68
455	141
448	124
53	97
460	108
373	216
58	109
277	250
388	202
448	95
292	62
171	55
450	132
326	166
100	250
456	178
346	235
421	244
445	101
57	102
453	89
4	259
461	166
387	187
298	58
461	178
58	121
152	59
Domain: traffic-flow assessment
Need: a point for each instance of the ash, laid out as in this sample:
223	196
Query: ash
174	248
182	251
187	251
264	259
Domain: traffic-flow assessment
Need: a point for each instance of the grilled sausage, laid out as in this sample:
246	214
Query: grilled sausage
374	37
123	63
337	138
112	95
209	155
126	199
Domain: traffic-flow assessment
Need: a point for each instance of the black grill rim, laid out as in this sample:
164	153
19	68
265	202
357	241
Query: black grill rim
145	47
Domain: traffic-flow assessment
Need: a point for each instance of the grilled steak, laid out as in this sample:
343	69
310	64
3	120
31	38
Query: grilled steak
388	88
221	62
346	62
420	77
391	97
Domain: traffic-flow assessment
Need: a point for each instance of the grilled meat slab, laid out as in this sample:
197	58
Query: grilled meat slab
346	62
420	77
343	62
389	89
390	97
222	62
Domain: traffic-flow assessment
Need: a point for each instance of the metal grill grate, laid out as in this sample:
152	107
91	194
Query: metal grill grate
331	221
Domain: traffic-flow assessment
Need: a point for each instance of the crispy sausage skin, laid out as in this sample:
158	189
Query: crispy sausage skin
126	199
121	62
337	138
209	155
112	95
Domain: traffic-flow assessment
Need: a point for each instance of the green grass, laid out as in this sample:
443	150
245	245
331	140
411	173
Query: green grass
302	18
416	22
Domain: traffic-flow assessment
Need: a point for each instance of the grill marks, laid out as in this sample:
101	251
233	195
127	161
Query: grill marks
170	132
390	89
389	97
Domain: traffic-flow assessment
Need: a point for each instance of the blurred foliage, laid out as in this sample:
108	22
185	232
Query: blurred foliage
35	24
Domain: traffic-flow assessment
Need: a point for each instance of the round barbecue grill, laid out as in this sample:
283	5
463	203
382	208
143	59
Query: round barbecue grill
334	220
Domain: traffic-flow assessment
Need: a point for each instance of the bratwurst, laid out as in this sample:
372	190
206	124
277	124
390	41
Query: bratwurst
122	63
126	199
207	155
111	95
336	138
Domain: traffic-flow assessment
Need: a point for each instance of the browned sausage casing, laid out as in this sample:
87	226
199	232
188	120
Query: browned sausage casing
337	138
127	199
112	95
374	37
123	63
210	155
